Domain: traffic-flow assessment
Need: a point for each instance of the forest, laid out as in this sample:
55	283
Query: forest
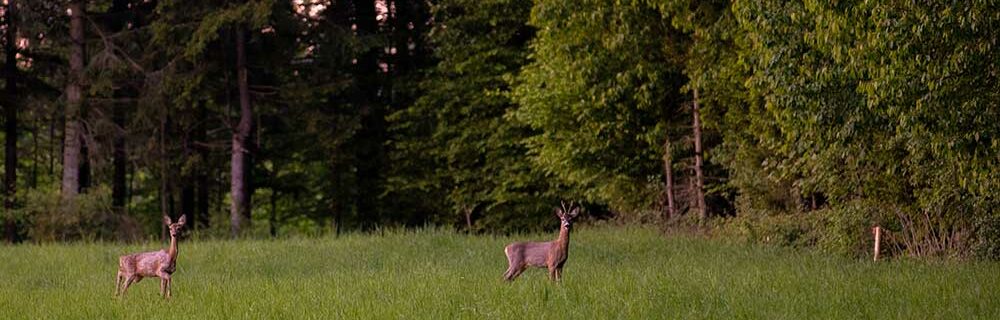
794	123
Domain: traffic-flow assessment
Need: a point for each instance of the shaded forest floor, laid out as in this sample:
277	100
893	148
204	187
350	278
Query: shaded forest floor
613	272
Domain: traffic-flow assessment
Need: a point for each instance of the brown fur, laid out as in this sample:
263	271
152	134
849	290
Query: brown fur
550	254
161	264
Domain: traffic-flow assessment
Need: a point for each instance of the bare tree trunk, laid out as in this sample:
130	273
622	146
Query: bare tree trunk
201	218
240	206
164	175
74	99
10	125
33	178
187	196
698	161
668	172
187	181
468	219
119	159
273	221
370	138
337	204
85	176
52	146
117	22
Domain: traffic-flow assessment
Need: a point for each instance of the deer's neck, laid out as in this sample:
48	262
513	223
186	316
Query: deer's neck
563	241
172	251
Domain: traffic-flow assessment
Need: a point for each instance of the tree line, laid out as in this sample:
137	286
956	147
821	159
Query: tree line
797	122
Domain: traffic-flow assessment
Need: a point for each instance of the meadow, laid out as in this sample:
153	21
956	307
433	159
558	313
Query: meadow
612	273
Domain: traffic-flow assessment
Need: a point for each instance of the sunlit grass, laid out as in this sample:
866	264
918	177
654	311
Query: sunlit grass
613	272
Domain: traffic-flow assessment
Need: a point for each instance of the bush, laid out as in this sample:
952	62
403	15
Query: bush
789	230
987	244
89	217
843	230
846	229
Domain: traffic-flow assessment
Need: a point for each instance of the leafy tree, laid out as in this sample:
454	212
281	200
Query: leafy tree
456	146
600	93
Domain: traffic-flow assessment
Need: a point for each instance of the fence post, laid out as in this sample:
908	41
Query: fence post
877	230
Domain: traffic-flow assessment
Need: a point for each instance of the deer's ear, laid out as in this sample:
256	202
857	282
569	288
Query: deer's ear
559	213
574	212
166	220
182	220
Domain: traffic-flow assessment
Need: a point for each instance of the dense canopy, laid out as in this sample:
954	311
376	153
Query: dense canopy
801	123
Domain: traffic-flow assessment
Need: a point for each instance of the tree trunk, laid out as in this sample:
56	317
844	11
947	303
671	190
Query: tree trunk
74	99
187	197
698	161
33	178
10	125
52	147
119	159
201	212
240	206
187	181
468	219
337	204
273	221
371	136
119	155
165	197
203	202
84	153
668	172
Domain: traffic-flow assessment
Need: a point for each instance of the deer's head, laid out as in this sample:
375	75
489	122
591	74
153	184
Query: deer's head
175	227
566	214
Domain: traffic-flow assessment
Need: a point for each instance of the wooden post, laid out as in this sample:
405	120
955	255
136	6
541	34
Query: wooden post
468	220
878	237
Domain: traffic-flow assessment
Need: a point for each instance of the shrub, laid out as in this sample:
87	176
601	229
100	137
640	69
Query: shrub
781	229
987	244
846	229
89	217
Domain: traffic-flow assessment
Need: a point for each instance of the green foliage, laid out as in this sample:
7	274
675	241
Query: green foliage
862	101
601	88
89	217
456	152
846	229
820	118
780	230
251	14
988	234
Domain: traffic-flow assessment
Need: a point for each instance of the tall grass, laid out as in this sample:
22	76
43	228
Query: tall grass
620	272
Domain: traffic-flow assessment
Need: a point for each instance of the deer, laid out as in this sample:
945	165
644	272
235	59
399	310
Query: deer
161	264
550	254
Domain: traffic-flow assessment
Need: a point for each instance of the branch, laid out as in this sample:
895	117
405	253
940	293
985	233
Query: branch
108	43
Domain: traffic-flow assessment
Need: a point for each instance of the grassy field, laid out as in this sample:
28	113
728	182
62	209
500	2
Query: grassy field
613	272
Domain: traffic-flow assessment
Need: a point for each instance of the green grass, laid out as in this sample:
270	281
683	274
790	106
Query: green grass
612	273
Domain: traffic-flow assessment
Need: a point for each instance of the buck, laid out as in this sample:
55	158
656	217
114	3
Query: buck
551	254
160	264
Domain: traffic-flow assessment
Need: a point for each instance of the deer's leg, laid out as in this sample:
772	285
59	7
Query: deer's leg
511	269
129	280
118	283
517	271
552	274
558	274
163	287
511	273
164	284
512	265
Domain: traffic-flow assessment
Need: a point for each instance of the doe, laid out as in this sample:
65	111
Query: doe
160	264
550	254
